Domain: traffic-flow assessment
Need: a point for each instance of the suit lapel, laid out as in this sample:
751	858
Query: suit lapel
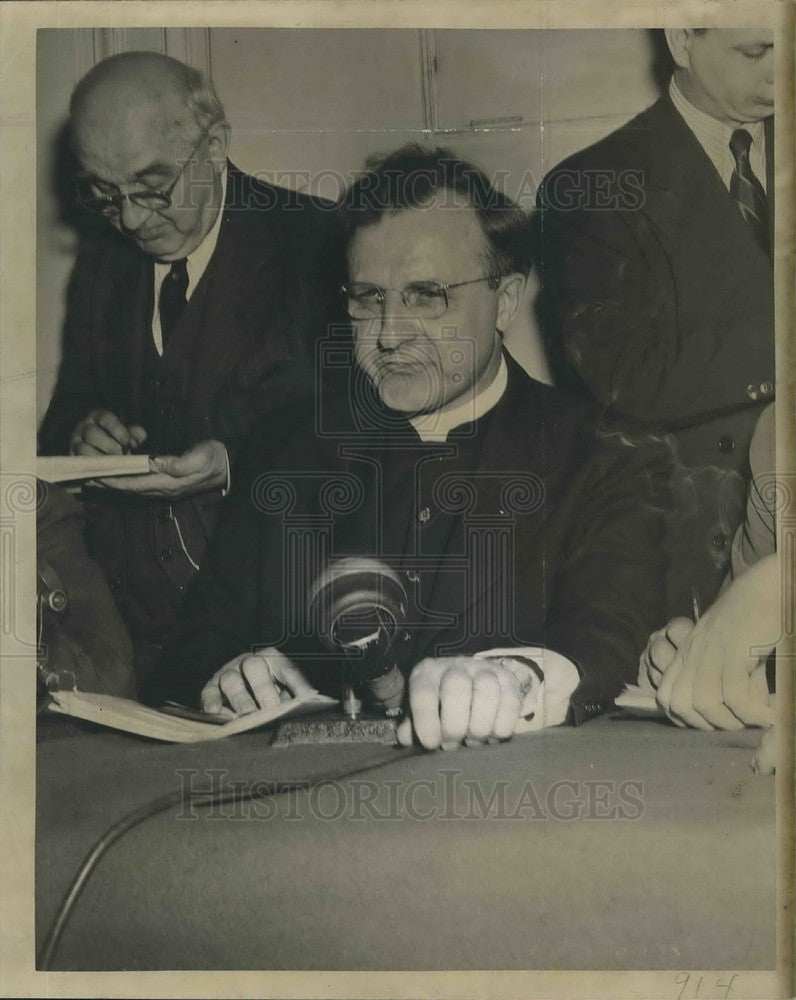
227	309
770	179
691	195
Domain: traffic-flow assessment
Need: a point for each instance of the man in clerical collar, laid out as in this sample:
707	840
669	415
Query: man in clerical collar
525	547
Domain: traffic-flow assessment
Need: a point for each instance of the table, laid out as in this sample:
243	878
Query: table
570	866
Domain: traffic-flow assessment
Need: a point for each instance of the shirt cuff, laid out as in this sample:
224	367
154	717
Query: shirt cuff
546	702
228	484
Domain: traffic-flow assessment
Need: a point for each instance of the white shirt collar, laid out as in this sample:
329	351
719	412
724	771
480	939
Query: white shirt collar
714	137
199	258
437	425
196	263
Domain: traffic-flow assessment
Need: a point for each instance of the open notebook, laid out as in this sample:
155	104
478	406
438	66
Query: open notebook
175	724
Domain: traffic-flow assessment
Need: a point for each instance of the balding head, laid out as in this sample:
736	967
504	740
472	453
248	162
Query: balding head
136	119
144	80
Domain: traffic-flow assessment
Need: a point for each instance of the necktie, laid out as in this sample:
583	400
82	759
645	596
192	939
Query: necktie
746	190
172	298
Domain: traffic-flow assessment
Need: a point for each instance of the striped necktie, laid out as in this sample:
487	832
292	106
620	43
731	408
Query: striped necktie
746	190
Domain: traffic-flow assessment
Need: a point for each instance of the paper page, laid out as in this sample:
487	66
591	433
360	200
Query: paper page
132	717
71	468
636	698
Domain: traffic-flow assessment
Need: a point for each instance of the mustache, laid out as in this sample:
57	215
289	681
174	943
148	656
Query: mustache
414	355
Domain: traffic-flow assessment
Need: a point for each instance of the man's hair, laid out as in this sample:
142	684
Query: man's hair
195	87
203	100
416	177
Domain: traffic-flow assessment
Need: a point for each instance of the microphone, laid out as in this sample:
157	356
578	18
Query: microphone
357	606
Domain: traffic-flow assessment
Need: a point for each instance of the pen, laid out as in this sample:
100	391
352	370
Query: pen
695	604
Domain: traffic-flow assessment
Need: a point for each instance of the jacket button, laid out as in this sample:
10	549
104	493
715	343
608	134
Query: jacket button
766	388
413	576
424	515
166	554
752	391
163	517
726	443
719	541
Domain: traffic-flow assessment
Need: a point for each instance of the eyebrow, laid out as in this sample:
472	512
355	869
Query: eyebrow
154	168
157	169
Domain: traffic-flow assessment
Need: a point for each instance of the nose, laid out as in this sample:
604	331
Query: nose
132	216
769	68
397	326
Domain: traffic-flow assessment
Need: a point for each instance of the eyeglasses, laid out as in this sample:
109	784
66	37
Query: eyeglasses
423	299
109	205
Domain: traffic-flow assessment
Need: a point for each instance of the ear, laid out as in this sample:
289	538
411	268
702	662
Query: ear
510	292
678	40
218	142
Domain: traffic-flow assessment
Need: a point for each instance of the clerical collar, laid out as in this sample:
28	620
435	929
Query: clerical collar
437	425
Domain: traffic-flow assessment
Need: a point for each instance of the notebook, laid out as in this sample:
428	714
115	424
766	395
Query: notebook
72	468
176	724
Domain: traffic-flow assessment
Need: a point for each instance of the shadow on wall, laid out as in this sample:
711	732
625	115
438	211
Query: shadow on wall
63	184
662	62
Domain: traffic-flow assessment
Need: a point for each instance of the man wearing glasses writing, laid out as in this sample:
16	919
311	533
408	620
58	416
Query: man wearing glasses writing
190	314
527	547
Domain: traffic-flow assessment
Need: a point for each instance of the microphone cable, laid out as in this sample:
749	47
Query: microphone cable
165	802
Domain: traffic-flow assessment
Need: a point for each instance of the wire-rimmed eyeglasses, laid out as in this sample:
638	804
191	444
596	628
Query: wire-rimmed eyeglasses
109	205
423	299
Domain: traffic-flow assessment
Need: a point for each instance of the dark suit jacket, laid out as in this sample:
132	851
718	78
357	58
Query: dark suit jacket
521	529
243	347
658	299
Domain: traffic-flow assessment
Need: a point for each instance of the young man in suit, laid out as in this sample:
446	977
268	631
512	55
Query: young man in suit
655	254
192	313
527	547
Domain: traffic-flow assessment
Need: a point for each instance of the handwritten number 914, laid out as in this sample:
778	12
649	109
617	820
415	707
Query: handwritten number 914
694	987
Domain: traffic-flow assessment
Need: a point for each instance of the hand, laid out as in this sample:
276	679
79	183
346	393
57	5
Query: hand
455	698
102	433
253	681
660	650
201	468
715	680
764	760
